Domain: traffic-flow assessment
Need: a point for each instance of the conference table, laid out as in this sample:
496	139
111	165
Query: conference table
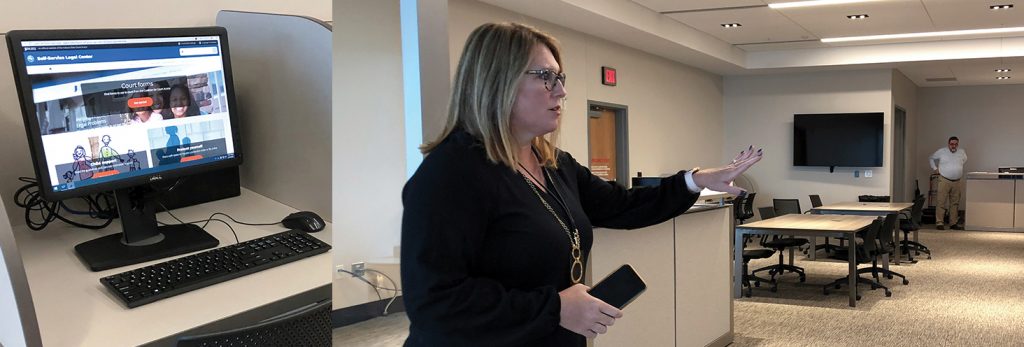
813	225
876	209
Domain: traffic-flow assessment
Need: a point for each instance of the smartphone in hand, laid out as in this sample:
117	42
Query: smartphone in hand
620	288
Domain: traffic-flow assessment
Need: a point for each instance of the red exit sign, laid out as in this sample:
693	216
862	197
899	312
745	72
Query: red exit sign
608	76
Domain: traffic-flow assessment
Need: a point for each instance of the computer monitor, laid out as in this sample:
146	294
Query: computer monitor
121	110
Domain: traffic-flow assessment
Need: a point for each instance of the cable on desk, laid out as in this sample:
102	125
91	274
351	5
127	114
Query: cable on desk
377	288
100	206
205	221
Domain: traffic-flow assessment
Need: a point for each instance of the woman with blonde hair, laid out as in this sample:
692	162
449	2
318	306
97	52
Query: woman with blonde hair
498	222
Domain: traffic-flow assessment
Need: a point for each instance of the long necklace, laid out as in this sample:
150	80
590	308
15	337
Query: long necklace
576	268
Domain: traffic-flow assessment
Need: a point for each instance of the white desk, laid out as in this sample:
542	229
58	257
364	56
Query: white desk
74	309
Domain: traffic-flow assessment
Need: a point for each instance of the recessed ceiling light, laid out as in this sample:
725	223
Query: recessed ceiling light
924	34
857	16
1002	70
813	3
1003	77
1000	7
731	25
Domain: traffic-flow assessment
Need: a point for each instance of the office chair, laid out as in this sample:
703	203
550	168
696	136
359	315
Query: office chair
876	241
310	326
913	223
780	244
743	207
742	210
748	255
828	247
786	206
766	212
815	200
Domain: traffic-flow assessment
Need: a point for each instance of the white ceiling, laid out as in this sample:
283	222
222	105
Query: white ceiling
786	39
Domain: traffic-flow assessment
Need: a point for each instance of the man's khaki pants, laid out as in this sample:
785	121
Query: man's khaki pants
949	193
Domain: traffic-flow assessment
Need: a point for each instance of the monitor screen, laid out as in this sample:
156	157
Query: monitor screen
109	109
838	139
118	109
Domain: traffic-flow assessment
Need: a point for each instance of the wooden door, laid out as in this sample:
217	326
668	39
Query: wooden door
602	144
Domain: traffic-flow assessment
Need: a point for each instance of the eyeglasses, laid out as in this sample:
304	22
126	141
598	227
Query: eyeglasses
549	77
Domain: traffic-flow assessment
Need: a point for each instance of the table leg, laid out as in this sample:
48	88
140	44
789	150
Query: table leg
852	278
896	236
812	252
792	253
737	265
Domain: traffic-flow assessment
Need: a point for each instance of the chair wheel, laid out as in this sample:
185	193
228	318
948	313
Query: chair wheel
757	284
929	256
888	293
858	297
803	279
888	276
906	281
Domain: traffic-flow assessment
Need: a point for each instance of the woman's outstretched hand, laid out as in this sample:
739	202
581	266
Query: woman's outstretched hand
720	178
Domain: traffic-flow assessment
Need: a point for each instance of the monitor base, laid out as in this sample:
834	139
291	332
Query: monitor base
109	251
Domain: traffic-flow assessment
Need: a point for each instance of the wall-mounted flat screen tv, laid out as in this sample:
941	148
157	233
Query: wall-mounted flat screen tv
838	139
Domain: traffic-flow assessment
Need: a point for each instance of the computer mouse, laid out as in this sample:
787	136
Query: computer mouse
304	220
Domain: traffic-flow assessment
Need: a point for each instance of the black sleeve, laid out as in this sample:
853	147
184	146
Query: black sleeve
610	205
447	208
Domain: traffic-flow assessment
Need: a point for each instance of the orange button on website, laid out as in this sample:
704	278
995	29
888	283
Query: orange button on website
191	158
140	102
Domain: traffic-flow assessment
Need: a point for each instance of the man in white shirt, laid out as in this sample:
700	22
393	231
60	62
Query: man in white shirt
949	164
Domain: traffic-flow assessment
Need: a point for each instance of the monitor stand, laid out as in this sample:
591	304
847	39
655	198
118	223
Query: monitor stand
141	239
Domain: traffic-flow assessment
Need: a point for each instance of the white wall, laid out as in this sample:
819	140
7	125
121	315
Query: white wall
987	119
56	14
904	95
674	110
759	110
367	138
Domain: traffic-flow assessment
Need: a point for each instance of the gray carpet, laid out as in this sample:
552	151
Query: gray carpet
966	295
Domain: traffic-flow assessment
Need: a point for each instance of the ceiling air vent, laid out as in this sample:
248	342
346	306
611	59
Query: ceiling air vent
941	79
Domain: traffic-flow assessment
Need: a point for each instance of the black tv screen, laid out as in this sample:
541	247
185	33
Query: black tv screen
838	139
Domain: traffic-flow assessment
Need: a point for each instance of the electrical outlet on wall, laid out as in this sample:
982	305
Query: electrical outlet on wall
867	173
359	269
856	173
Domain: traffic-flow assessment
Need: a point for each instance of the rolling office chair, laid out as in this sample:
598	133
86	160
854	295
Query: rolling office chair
828	247
877	241
310	326
743	207
748	255
780	244
815	200
913	223
766	212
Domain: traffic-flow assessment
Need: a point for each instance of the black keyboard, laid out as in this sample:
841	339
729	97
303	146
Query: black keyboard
145	285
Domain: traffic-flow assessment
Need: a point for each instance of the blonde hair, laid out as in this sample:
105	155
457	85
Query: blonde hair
494	61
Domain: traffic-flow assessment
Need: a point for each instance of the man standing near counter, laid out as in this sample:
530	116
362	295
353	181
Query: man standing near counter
949	164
